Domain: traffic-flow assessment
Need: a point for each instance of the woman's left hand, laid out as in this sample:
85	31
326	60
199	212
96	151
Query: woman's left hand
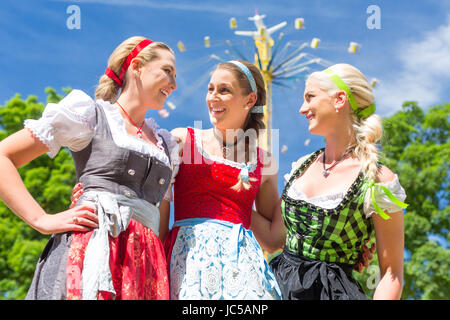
77	191
367	255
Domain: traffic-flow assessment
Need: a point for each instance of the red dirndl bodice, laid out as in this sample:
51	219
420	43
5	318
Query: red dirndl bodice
202	189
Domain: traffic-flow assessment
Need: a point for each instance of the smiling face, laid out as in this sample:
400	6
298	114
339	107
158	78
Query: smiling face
158	79
319	108
226	101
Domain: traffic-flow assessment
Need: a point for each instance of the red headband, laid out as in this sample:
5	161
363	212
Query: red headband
119	79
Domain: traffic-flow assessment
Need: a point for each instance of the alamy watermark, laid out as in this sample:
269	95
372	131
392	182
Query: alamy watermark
374	20
74	20
374	278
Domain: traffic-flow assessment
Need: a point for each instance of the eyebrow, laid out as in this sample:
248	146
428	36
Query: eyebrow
168	66
222	84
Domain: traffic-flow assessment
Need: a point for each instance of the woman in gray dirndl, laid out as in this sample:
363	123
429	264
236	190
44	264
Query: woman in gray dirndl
106	247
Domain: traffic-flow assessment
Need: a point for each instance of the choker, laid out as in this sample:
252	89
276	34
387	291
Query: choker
226	147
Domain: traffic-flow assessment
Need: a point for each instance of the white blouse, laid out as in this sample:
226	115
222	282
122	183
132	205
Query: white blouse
331	201
71	123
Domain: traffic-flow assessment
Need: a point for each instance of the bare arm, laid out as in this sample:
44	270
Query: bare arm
164	212
267	223
267	196
15	151
390	246
271	234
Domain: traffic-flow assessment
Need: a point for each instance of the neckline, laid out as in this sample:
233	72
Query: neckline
240	165
124	140
321	197
150	122
352	190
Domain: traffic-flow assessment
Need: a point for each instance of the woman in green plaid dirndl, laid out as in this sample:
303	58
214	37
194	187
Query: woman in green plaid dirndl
328	202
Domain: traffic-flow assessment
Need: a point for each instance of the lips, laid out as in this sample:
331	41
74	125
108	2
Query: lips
216	110
309	117
165	92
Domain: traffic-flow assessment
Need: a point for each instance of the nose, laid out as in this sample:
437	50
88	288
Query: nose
173	84
303	109
212	95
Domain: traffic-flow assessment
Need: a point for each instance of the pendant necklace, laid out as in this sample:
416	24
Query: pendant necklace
139	129
226	147
326	171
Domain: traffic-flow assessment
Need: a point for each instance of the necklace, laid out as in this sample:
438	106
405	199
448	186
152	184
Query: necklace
226	147
139	129
326	171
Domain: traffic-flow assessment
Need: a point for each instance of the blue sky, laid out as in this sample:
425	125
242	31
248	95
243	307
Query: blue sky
409	55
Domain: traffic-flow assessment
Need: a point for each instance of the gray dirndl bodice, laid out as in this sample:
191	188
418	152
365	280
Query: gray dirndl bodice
103	166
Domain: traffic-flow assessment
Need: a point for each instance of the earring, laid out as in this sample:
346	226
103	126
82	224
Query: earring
337	110
246	107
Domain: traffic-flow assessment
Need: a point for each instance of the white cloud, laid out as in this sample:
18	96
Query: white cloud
423	75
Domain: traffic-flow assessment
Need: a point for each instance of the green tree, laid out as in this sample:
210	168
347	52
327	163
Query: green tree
416	146
50	182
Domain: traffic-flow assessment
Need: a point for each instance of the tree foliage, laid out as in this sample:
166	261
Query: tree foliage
50	182
416	146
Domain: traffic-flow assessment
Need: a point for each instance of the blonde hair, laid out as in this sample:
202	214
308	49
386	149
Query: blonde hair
107	89
368	131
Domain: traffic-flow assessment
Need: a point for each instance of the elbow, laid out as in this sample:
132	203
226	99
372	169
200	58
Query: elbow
275	246
397	283
393	275
390	286
398	280
270	249
5	157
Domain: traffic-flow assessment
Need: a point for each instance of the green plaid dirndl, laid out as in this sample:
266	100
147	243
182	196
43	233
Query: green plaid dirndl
332	235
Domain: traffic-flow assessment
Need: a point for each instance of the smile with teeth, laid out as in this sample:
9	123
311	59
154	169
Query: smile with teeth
165	92
217	109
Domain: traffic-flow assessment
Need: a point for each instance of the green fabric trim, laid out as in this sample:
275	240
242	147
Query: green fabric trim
389	194
360	113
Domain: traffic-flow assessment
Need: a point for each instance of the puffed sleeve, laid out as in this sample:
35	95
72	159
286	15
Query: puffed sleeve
69	123
382	199
175	158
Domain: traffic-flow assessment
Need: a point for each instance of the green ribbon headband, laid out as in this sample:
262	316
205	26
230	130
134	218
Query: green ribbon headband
360	113
389	194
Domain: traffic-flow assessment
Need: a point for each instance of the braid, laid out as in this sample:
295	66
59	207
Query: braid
367	133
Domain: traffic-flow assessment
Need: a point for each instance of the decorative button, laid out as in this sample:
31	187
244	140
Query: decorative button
162	181
127	193
156	162
131	172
